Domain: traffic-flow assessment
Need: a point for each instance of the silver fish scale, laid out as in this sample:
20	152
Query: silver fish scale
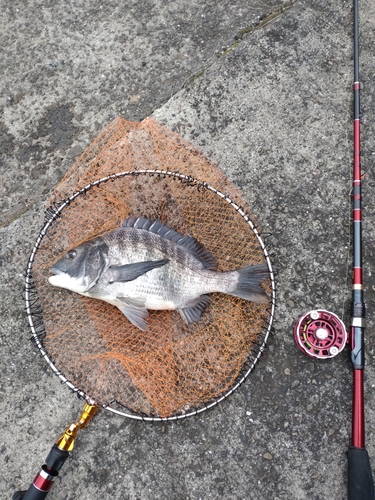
153	267
129	245
181	280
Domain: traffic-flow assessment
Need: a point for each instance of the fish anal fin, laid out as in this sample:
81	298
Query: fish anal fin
130	272
194	310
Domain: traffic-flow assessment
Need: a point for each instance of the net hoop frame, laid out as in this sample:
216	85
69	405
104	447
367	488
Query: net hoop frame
52	213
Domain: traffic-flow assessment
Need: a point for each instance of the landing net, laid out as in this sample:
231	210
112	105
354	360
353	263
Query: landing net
172	370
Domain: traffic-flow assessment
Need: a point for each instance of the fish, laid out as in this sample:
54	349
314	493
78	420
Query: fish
144	265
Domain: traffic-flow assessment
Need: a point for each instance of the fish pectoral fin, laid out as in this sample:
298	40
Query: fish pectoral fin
134	310
195	309
130	272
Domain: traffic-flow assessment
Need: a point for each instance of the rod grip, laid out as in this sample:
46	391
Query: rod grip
360	481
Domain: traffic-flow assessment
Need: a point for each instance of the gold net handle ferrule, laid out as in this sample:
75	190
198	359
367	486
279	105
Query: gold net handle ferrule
66	441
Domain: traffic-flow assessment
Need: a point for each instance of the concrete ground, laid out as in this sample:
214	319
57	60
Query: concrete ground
264	90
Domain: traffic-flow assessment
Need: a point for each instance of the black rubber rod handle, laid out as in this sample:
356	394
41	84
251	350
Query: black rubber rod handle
360	481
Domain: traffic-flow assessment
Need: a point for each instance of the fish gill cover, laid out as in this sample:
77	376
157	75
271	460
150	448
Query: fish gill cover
172	369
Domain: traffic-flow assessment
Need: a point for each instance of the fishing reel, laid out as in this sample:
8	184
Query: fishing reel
320	334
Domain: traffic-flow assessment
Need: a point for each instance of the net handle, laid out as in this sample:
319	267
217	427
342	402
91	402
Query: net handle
60	452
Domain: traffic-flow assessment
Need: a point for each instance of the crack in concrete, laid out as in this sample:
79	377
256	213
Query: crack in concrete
16	212
261	23
23	207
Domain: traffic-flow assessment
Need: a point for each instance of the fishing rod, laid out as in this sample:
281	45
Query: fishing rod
321	334
360	481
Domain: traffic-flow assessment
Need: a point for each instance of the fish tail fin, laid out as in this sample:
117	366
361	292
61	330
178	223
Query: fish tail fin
249	283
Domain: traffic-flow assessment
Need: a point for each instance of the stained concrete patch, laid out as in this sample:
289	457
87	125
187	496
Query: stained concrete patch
274	113
96	62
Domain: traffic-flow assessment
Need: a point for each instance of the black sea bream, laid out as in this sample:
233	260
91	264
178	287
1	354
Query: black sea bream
145	265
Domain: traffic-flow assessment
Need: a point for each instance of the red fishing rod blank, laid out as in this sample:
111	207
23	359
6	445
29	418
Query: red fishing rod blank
322	335
360	480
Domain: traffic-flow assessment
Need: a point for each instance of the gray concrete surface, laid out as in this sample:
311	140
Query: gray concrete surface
274	112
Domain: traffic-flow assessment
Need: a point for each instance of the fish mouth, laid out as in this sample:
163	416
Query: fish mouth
56	271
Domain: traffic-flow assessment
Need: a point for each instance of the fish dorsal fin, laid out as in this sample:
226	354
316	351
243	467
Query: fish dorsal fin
190	244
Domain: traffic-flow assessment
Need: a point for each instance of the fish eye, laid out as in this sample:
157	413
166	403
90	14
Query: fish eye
72	254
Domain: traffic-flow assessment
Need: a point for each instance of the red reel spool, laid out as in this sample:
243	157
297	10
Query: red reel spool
320	334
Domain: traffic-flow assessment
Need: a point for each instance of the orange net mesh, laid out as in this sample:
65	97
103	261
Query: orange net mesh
171	368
